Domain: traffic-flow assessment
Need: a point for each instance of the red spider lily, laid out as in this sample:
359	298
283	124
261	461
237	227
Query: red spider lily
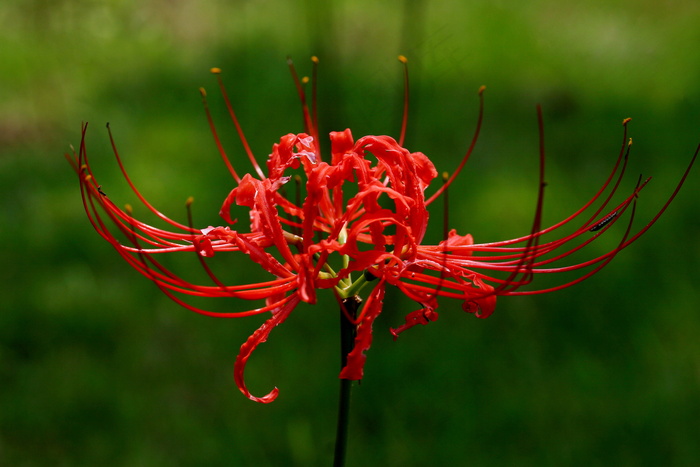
360	225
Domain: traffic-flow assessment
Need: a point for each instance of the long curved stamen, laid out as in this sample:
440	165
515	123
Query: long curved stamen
152	269
445	232
466	156
217	140
404	118
133	187
625	148
668	201
239	130
605	258
552	246
533	240
309	125
611	219
623	157
314	100
157	279
445	208
511	260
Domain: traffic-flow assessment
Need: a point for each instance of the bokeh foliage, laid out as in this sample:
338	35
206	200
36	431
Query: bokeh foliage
98	368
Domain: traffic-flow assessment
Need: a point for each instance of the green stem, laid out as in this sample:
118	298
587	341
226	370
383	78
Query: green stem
347	341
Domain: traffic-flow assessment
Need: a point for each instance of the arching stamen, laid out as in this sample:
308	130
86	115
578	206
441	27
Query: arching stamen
480	118
308	123
169	283
297	196
626	242
133	187
668	201
404	119
445	208
445	234
623	157
219	146
525	264
619	177
314	101
604	258
239	130
72	158
509	260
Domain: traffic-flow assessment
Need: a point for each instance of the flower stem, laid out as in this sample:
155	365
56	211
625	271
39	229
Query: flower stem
347	339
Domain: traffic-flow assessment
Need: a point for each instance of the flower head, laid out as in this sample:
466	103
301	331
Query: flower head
359	227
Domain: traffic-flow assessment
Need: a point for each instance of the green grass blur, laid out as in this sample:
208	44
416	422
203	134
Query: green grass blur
97	367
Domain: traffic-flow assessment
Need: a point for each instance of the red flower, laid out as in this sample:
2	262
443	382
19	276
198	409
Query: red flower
360	225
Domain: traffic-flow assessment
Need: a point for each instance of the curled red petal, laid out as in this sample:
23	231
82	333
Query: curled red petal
291	151
258	337
422	316
341	143
225	211
425	170
306	282
354	369
481	305
202	245
454	239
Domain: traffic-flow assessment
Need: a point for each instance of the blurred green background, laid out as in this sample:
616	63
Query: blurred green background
97	367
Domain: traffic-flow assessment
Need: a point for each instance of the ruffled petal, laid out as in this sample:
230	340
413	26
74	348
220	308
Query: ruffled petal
341	143
456	240
258	337
306	283
484	301
356	358
422	316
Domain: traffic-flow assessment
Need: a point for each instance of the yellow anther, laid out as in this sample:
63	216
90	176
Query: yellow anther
314	59
128	209
203	92
403	59
189	201
626	121
215	70
305	79
630	142
445	176
482	89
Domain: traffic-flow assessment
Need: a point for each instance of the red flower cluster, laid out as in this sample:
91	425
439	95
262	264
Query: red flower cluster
360	225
